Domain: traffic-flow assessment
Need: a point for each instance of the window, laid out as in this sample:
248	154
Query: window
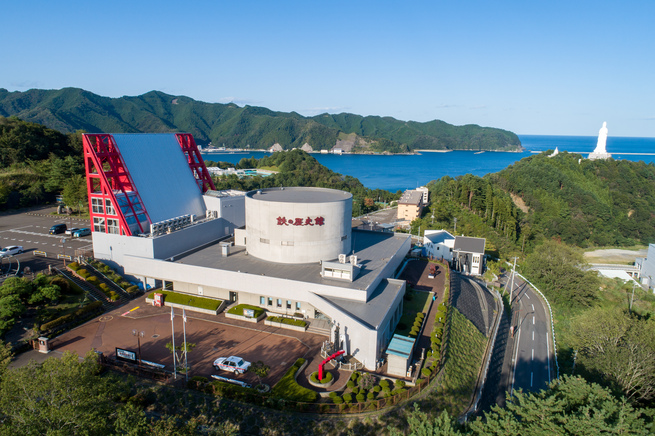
262	300
109	207
279	302
112	226
288	304
297	305
96	205
270	301
99	224
264	241
287	243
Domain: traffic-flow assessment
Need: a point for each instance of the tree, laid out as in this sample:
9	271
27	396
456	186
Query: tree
62	396
571	406
617	350
74	193
421	424
180	352
260	369
558	269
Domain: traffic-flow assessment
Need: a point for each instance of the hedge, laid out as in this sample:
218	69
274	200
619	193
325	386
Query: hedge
91	307
284	320
188	300
238	310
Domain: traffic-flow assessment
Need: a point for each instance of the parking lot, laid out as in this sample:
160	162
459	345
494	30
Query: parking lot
29	229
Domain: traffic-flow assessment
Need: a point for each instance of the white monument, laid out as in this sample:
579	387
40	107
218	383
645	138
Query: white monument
601	152
555	153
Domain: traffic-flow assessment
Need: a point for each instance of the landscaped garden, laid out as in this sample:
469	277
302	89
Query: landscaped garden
188	300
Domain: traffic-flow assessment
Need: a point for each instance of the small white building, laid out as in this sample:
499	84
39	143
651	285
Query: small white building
647	273
439	244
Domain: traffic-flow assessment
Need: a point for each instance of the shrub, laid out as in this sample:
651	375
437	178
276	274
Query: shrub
399	383
355	390
63	284
429	354
238	309
83	273
327	377
370	396
384	383
74	266
347	398
377	389
333	394
132	289
354	376
337	400
313	377
420	315
78	315
104	287
93	280
426	372
114	296
350	384
360	398
397	391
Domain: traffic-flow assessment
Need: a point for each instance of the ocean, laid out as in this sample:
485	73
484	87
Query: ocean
400	172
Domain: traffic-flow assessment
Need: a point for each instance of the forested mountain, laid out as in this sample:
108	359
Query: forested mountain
72	109
568	198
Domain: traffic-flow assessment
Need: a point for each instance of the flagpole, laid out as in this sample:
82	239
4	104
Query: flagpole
173	336
186	366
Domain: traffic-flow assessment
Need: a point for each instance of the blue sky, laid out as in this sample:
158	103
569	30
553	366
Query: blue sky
550	68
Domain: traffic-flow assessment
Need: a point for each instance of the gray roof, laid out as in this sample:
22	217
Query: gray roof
373	250
411	197
467	244
299	195
161	174
439	237
373	311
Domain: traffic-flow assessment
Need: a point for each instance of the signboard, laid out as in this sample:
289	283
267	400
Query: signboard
249	313
126	355
284	221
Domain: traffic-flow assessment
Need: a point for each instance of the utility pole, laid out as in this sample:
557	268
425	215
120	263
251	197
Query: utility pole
186	350
511	288
632	299
173	336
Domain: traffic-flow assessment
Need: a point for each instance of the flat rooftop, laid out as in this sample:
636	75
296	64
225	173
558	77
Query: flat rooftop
299	195
373	251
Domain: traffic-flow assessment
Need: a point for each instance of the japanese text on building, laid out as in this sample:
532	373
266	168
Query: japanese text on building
284	221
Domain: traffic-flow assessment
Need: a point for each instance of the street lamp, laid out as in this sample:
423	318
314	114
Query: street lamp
63	247
138	335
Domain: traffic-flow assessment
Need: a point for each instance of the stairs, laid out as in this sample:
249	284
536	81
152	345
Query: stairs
90	290
124	296
318	327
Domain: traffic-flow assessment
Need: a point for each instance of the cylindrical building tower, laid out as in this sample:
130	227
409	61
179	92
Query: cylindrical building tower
298	225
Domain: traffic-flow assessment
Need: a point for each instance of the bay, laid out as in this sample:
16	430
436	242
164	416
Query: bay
400	172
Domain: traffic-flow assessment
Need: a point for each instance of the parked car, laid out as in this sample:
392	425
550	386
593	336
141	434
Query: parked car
233	364
12	250
71	230
57	228
81	232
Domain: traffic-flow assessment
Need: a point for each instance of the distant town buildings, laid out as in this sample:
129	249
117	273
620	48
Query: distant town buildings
412	202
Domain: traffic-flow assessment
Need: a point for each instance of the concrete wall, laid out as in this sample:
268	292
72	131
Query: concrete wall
114	248
233	280
271	237
230	208
648	268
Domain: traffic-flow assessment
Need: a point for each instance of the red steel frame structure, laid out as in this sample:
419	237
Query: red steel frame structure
195	161
107	176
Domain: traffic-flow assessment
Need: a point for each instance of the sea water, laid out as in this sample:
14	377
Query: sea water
400	172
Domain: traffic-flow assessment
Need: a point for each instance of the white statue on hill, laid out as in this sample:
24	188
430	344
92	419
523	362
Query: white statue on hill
555	153
601	151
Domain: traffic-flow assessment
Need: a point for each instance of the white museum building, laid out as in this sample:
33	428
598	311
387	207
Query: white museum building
289	250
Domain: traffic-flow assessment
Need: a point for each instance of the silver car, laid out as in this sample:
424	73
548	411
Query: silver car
11	250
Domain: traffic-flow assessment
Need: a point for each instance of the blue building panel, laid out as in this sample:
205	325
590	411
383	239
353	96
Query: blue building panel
161	175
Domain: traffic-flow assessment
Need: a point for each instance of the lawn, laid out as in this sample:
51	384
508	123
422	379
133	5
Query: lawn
419	302
189	300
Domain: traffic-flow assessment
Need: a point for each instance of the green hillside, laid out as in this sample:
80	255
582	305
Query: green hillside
70	109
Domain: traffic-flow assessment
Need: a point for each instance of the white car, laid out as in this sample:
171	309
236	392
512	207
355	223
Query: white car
233	363
71	230
11	250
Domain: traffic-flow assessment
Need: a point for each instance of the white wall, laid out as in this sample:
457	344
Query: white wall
648	268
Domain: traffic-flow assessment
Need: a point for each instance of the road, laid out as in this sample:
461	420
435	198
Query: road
532	354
